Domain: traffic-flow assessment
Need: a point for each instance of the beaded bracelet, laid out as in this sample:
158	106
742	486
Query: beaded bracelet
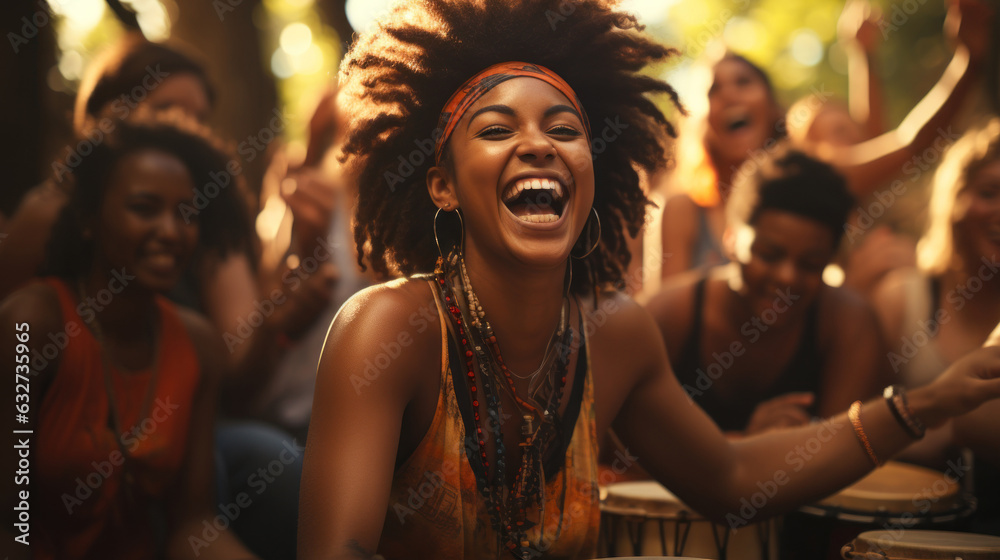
895	397
854	415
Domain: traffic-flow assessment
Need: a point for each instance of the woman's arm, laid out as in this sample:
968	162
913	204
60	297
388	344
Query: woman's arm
27	232
190	503
357	414
679	445
859	32
869	164
680	223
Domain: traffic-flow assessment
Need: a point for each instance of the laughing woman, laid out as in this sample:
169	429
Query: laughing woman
457	413
121	387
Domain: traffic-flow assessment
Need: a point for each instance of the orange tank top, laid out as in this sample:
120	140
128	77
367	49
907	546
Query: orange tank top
86	507
436	511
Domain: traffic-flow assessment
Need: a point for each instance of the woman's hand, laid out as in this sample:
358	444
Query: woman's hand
781	412
971	381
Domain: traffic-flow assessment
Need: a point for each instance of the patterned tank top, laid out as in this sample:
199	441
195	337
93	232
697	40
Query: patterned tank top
436	511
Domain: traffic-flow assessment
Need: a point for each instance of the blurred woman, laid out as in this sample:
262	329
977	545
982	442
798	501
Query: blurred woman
933	314
936	313
135	76
127	402
743	123
763	343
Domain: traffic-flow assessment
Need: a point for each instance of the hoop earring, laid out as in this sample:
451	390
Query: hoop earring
461	223
596	241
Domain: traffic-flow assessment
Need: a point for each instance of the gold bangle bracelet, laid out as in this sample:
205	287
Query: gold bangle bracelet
854	415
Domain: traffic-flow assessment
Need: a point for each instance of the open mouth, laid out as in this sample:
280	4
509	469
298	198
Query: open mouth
737	123
535	200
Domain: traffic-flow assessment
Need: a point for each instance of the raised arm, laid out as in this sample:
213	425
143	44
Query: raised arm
678	231
859	32
679	445
869	164
357	414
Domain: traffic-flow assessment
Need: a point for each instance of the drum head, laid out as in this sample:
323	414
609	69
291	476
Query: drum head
898	488
925	545
648	499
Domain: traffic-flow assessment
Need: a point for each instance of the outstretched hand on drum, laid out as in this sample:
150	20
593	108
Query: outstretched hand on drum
968	383
979	429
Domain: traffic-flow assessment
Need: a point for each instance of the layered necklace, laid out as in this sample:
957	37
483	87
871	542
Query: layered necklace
539	409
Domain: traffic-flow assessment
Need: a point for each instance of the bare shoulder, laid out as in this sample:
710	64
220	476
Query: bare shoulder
844	314
620	328
679	213
892	293
393	327
43	201
37	303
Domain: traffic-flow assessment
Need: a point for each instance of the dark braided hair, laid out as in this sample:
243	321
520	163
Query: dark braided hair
398	77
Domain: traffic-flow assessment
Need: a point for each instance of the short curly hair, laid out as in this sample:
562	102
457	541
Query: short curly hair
224	220
398	77
790	181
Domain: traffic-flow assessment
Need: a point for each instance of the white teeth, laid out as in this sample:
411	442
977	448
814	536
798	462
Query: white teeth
539	218
533	184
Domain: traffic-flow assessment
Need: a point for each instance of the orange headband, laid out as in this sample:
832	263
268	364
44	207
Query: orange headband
477	86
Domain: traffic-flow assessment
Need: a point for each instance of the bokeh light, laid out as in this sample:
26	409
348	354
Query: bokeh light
295	39
806	47
362	13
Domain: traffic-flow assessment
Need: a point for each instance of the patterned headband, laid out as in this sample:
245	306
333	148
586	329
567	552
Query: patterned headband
478	85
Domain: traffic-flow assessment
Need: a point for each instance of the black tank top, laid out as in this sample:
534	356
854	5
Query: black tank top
802	374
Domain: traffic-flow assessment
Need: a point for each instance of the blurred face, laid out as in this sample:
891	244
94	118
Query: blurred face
787	255
140	226
977	210
184	91
741	112
523	174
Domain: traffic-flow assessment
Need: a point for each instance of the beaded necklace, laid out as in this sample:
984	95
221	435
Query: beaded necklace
507	507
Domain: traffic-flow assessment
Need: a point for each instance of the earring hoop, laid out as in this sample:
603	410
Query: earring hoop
589	228
461	223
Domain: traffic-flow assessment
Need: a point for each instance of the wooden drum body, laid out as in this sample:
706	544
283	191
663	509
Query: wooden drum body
645	518
922	545
895	498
